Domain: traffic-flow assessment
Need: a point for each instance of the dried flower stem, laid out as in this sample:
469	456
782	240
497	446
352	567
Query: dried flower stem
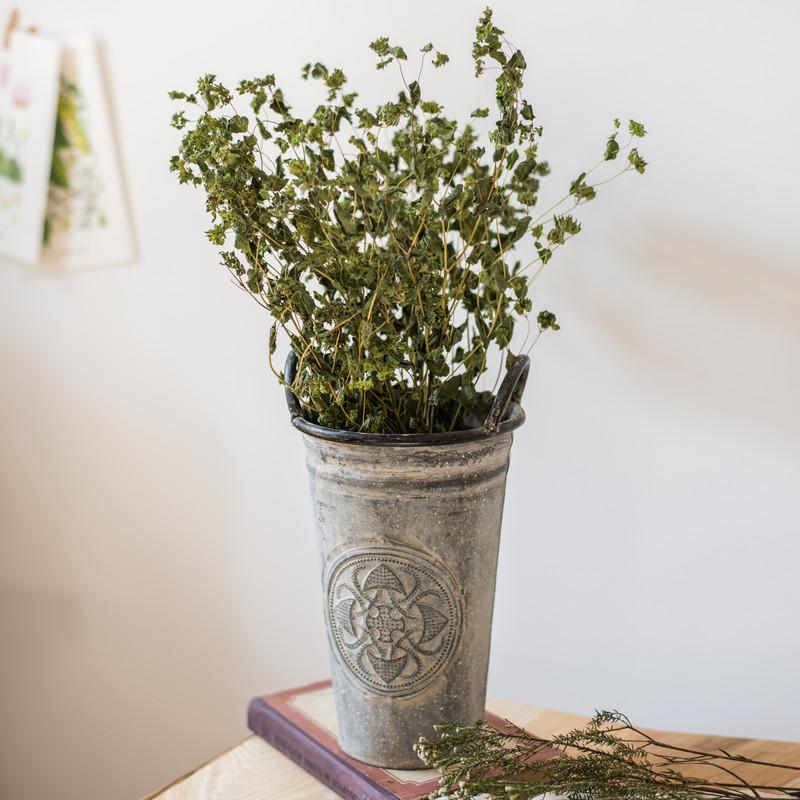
608	759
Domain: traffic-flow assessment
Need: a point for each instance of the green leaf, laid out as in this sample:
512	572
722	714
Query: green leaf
273	338
580	190
547	321
612	148
452	196
380	46
429	107
636	161
238	124
563	228
636	128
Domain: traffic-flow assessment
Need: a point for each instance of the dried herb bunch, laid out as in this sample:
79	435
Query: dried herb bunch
382	240
609	759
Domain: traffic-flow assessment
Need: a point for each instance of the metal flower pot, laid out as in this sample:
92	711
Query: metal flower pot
408	528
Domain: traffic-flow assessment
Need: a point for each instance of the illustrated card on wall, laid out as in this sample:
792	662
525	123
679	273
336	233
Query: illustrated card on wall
87	221
29	79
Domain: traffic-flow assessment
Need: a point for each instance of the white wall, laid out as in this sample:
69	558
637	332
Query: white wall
157	564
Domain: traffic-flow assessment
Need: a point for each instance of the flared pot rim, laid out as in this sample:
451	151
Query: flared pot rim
514	418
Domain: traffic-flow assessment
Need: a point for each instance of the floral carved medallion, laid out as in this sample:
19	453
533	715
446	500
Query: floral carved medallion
394	616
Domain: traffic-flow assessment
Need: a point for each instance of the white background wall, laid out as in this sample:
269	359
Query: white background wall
157	565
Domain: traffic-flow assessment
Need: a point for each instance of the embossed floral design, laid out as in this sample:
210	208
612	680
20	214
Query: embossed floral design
394	616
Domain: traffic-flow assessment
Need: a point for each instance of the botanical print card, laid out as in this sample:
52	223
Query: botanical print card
29	76
87	221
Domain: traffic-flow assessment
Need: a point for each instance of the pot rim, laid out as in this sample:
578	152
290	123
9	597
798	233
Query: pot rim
513	420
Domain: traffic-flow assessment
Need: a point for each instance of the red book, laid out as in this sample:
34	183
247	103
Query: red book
301	723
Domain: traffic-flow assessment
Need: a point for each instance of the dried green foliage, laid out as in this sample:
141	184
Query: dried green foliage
382	240
609	759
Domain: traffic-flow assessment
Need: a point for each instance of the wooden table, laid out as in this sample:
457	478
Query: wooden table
253	770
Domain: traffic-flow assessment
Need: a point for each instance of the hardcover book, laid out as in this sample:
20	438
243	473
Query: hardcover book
301	723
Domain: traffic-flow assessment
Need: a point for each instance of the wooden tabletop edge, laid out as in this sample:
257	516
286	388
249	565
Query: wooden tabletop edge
195	770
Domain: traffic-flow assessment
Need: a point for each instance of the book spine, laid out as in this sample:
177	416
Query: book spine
310	755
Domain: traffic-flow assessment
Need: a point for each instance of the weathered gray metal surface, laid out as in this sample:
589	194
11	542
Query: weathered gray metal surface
408	538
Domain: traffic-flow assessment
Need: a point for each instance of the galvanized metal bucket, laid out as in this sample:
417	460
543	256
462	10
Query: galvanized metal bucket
408	528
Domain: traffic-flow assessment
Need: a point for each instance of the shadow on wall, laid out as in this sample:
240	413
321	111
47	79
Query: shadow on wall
116	617
709	328
653	490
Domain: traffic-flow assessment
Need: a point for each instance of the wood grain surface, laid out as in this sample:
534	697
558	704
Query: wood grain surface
253	770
